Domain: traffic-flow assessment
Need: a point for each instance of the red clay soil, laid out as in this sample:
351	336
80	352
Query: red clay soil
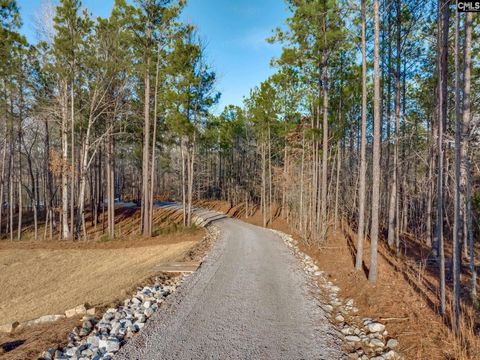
402	297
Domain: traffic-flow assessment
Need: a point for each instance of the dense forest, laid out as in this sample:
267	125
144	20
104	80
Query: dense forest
370	119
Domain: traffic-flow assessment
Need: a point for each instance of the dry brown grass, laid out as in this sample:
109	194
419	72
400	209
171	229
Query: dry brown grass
43	281
49	277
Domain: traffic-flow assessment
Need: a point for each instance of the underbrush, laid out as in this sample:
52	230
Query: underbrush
170	227
127	227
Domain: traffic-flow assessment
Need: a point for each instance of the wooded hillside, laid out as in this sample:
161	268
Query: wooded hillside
370	119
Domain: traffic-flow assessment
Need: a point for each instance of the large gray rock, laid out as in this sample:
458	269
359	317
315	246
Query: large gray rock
352	338
375	327
108	316
87	327
109	345
93	340
116	326
138	325
391	355
136	301
141	318
147	304
376	343
71	351
48	355
392	343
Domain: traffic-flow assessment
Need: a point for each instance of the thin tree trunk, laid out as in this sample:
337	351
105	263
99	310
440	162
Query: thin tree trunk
363	146
444	14
65	228
431	185
146	229
72	175
190	169
47	179
10	188
184	196
33	194
84	160
264	190
323	211
20	197
372	275
285	171
110	168
458	194
2	180
302	174
393	215
20	200
337	183
270	219
154	138
465	168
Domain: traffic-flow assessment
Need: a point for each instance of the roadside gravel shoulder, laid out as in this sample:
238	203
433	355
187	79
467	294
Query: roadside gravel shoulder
250	299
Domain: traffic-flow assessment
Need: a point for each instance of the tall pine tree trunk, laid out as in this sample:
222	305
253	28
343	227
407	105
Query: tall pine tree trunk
146	228
363	146
65	228
110	181
184	182
443	17
458	194
372	275
393	215
2	179
20	197
72	164
337	182
465	168
302	183
323	211
154	137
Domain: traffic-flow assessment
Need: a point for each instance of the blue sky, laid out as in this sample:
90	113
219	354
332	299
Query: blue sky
233	30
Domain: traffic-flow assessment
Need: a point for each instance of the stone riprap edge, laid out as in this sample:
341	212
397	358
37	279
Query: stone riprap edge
101	338
368	341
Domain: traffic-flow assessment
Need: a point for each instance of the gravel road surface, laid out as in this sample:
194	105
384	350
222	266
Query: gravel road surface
250	299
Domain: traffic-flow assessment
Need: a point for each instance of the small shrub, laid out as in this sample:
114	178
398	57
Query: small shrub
104	238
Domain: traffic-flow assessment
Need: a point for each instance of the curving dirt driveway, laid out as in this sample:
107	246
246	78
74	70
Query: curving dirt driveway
249	300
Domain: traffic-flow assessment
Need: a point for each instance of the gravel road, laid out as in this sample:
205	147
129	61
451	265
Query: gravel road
250	299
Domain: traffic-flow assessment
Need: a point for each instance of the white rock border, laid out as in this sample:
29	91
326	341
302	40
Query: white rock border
101	338
369	341
98	339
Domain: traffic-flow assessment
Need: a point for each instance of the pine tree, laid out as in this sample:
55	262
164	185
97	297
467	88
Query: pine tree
363	145
71	30
372	275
